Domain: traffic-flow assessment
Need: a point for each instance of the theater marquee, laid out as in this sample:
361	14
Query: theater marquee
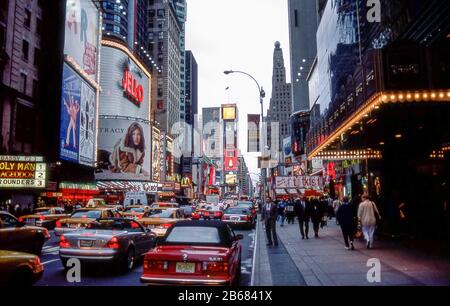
22	172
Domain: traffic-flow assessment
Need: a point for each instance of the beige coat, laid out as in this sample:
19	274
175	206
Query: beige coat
367	212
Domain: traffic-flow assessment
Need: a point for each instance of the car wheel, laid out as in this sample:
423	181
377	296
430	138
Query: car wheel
22	277
129	260
37	245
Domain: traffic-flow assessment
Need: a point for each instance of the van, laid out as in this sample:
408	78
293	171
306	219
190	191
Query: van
135	198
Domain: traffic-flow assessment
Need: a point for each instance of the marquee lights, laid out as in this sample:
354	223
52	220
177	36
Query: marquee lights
73	64
374	103
352	154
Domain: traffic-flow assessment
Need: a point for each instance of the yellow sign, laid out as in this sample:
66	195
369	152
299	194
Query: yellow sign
231	179
228	113
22	172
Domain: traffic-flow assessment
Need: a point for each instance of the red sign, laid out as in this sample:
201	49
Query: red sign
133	90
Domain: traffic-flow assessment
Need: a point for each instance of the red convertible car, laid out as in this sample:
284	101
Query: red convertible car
195	253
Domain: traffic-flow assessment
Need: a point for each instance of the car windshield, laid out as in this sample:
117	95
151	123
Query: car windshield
91	214
42	212
213	208
245	205
159	213
193	234
134	209
114	225
236	211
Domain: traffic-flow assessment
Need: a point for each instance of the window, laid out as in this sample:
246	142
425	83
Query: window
35	88
36	56
27	19
296	18
23	82
8	221
38	26
193	234
25	47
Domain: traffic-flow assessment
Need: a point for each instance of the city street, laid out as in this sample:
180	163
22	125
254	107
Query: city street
55	275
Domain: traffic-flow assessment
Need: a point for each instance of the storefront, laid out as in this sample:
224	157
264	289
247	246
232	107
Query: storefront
72	193
117	191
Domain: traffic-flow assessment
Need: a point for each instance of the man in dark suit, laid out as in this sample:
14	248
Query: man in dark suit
302	209
316	213
269	216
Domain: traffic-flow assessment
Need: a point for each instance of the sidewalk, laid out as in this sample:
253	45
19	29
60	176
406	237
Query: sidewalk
325	261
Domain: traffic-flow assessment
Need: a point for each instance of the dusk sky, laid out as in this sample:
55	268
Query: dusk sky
237	35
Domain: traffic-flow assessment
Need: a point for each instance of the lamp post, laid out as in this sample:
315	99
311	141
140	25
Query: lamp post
262	95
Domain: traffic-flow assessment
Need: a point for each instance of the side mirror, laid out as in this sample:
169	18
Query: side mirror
239	237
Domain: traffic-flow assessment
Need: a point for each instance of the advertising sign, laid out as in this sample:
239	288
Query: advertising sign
231	179
298	182
125	85
124	150
156	175
82	35
22	172
253	132
229	112
230	160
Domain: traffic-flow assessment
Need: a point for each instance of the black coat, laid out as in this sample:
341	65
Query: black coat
316	211
272	214
346	216
303	213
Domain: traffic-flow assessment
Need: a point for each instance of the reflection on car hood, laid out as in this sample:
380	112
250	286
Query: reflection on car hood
95	233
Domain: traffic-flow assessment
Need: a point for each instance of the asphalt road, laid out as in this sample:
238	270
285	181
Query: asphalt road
55	275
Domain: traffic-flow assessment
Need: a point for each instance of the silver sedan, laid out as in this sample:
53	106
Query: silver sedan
118	241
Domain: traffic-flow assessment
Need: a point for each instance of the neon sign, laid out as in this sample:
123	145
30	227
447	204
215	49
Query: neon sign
133	90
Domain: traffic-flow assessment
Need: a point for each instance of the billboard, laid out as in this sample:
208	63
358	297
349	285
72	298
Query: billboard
78	119
82	31
22	172
298	182
231	179
231	160
124	150
156	175
125	85
253	132
229	112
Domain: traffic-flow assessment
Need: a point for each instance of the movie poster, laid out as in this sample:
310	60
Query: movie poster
87	125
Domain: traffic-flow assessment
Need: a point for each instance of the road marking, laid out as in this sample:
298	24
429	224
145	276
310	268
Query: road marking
252	280
50	261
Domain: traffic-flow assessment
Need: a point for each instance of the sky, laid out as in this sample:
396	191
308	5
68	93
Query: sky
237	35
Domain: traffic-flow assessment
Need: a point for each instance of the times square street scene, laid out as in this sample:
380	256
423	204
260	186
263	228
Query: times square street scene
230	143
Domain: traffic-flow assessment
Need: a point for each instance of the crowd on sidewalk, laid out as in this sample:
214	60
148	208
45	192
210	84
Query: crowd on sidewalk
356	218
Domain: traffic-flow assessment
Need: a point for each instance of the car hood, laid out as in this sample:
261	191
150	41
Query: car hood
77	220
9	256
155	221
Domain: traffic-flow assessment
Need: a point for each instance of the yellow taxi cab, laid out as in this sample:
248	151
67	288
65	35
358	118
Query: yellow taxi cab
160	220
45	217
134	211
81	218
164	205
19	269
17	236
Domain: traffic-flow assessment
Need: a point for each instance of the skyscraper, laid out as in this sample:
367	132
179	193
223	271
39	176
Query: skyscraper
280	102
191	100
181	11
164	30
302	37
126	21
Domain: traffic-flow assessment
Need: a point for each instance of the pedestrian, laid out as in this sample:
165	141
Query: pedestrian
336	204
290	212
302	209
346	217
269	217
281	216
368	215
316	213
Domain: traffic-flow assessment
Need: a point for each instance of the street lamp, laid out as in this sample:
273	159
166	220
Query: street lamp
262	95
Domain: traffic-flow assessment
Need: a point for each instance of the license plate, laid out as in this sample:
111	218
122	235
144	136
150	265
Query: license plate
30	221
86	243
235	218
185	267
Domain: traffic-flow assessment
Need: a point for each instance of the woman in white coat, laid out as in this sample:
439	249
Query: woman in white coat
367	215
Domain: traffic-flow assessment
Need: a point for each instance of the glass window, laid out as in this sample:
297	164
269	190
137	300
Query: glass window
91	214
27	19
8	221
25	49
193	234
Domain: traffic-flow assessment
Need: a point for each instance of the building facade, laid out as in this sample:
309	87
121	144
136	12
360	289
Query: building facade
303	22
181	11
164	30
380	121
191	101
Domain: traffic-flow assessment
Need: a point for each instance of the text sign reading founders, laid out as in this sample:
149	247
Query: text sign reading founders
125	86
298	182
124	150
22	172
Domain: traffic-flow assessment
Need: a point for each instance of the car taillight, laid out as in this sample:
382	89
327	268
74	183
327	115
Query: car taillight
165	225
224	217
206	213
211	266
253	211
63	243
246	218
139	216
155	265
41	218
113	243
217	214
20	219
58	223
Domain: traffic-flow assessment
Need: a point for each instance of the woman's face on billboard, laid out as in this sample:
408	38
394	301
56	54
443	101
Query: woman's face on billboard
136	137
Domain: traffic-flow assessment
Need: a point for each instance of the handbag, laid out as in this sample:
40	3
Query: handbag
358	232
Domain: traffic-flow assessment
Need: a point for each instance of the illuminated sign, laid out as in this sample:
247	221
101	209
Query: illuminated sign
228	113
22	172
133	90
231	179
298	182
